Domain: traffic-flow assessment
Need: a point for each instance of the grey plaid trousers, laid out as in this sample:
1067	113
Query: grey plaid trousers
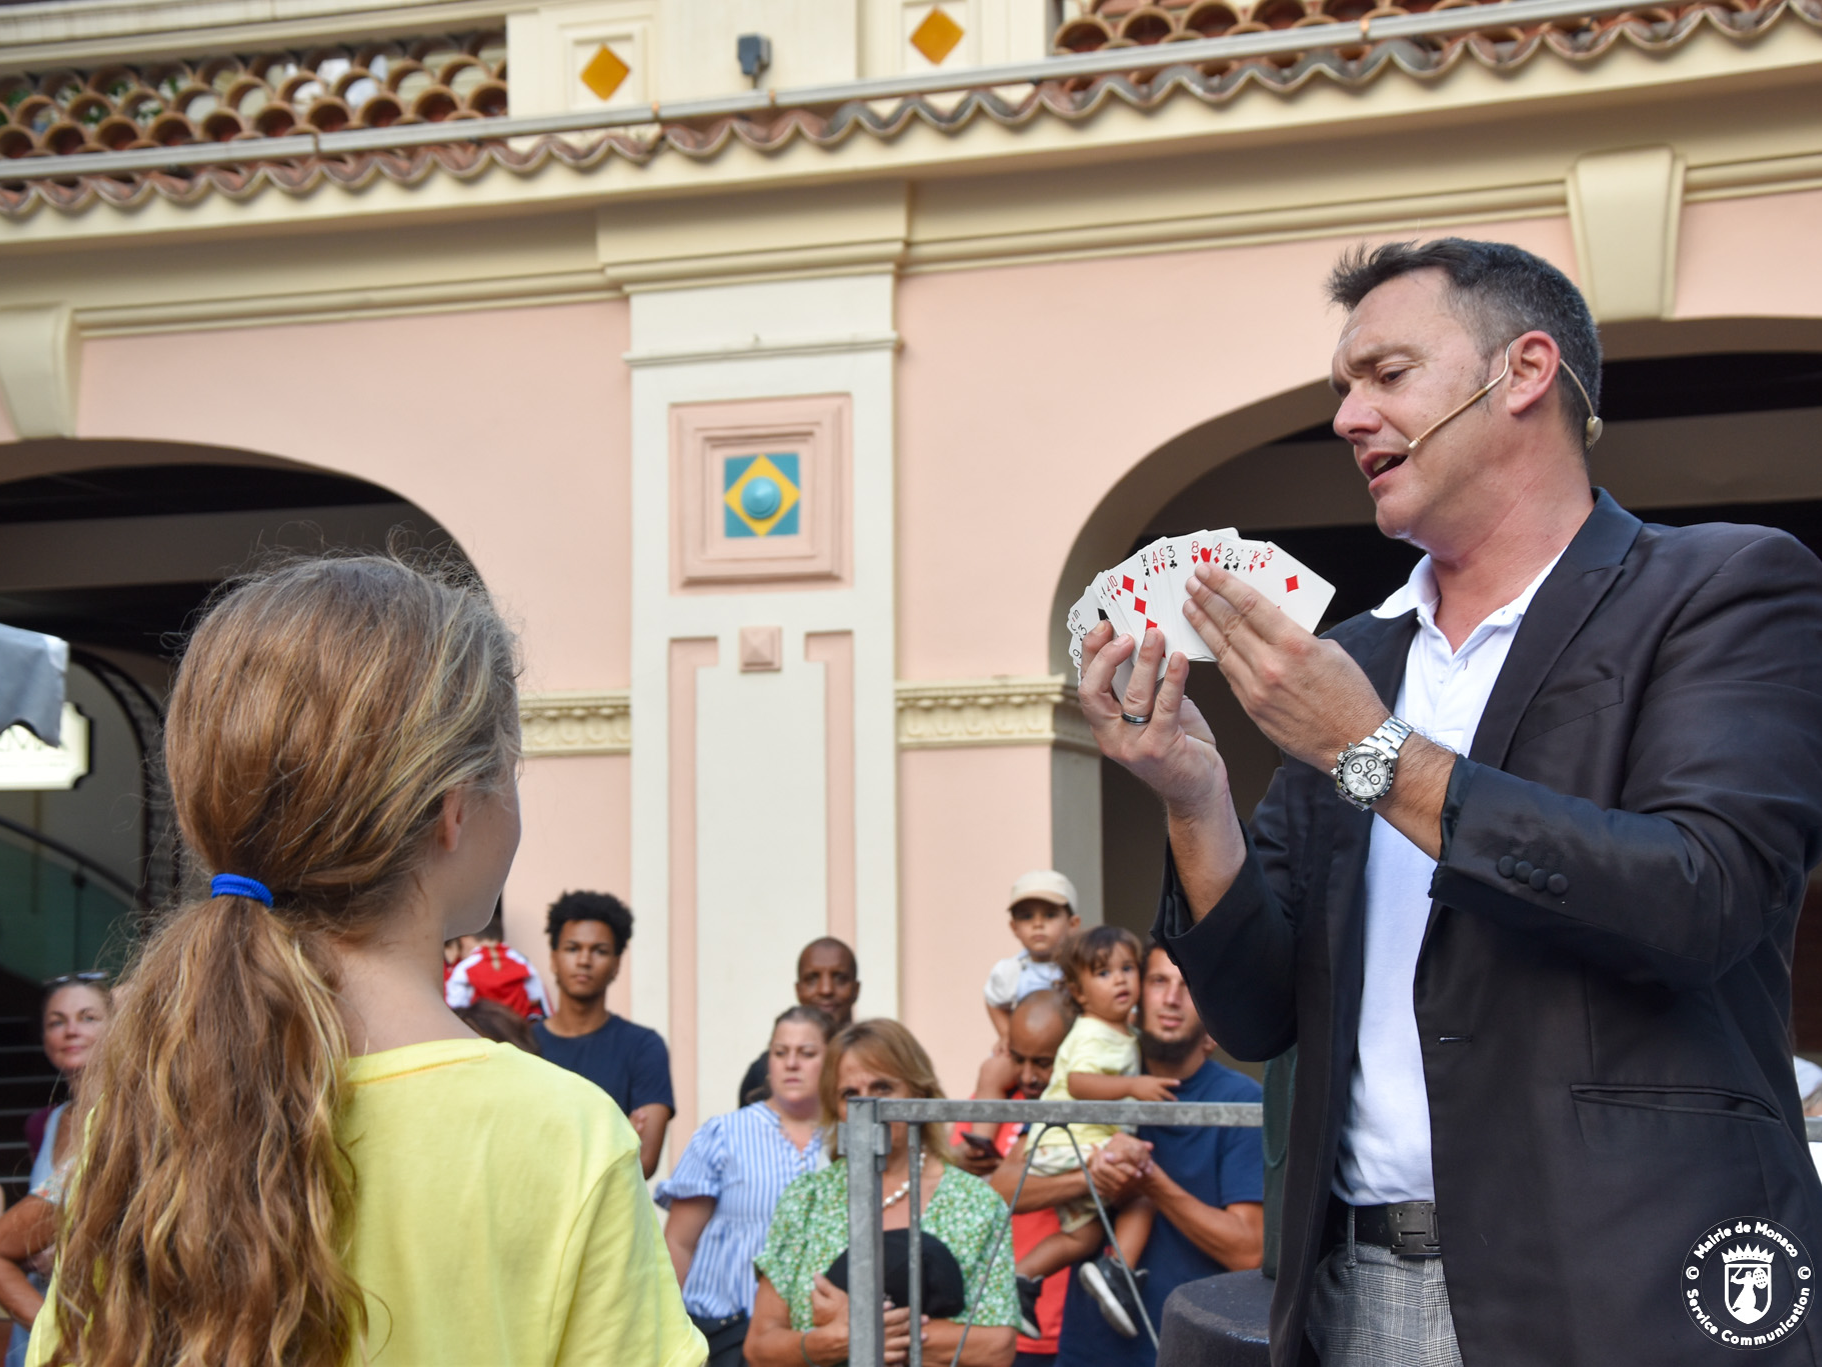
1371	1308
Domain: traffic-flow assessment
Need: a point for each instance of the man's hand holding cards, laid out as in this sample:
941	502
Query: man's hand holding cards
1147	590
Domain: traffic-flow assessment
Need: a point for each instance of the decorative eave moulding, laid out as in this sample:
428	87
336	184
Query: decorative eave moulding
1004	710
952	714
577	723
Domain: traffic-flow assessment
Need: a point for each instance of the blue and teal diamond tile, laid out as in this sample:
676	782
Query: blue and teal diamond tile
760	494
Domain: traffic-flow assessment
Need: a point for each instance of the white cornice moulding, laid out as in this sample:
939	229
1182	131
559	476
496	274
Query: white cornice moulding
40	355
1624	208
1003	710
763	346
471	295
577	723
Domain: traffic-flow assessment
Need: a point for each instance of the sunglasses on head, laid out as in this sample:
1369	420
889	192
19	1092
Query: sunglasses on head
93	975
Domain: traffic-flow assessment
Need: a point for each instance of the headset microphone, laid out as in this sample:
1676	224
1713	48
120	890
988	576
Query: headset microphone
1591	430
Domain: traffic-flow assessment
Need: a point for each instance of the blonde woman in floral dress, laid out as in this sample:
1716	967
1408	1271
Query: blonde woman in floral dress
799	1316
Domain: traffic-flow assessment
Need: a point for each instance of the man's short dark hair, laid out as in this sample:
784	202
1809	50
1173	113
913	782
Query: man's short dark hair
829	942
1500	292
591	906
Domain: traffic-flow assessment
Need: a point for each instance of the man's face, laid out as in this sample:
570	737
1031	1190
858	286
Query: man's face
1166	1014
1404	360
1032	1046
827	981
585	959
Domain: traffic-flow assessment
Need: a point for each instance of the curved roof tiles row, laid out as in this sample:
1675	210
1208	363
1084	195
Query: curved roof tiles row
120	107
1656	29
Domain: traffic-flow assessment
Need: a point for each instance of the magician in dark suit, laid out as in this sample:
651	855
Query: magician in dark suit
1524	889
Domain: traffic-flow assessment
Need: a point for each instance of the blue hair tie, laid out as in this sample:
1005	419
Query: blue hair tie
233	885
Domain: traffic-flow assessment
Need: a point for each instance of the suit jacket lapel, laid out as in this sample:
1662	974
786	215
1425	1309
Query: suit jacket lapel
1562	604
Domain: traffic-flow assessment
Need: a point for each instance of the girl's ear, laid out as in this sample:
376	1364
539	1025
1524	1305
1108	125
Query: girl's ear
450	820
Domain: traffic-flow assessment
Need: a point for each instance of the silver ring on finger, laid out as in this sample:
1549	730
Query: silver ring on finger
1136	721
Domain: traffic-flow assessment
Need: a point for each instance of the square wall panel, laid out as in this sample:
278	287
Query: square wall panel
580	55
760	493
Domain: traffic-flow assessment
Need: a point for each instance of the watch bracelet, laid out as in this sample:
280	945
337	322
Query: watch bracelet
1387	747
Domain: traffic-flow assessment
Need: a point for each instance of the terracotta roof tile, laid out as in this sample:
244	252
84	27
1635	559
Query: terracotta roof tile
217	99
1656	29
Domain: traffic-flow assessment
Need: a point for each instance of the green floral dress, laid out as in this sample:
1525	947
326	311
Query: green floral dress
810	1228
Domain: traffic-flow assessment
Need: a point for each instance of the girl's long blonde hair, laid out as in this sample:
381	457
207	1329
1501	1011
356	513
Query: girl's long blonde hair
321	713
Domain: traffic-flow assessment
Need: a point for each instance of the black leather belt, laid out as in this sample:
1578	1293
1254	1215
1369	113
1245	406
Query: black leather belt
1408	1228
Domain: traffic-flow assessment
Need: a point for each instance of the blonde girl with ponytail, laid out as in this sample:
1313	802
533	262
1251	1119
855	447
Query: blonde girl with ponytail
296	1155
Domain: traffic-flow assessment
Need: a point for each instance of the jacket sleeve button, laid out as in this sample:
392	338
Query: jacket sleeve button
1539	880
1506	865
1522	870
1558	884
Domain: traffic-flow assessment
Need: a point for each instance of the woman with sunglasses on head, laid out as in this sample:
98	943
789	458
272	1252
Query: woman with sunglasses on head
296	1153
76	1010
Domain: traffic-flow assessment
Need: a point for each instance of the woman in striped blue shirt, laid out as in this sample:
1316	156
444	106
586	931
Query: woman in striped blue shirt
722	1193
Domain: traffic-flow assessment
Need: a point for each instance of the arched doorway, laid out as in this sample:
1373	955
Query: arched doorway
114	547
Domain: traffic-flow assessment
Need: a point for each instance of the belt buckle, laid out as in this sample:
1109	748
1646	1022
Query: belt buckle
1413	1228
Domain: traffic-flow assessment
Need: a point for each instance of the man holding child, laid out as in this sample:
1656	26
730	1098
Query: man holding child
1206	1183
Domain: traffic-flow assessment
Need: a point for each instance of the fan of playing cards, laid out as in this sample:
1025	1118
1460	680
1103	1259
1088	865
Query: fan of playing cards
1148	590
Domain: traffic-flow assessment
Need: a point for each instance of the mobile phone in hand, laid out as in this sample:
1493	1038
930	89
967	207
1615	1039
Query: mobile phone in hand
980	1142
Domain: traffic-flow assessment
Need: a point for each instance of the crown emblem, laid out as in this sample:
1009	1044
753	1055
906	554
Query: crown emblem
1752	1253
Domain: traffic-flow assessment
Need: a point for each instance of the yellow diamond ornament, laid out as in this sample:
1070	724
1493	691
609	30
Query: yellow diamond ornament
937	36
605	73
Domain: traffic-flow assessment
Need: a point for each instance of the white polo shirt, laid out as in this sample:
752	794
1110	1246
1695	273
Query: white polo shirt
1385	1140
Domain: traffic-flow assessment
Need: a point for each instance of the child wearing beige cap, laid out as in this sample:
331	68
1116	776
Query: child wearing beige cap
1042	907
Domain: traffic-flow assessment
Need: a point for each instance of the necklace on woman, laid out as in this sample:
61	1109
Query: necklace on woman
896	1196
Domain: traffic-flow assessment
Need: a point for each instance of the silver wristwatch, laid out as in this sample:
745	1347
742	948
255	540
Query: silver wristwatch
1363	773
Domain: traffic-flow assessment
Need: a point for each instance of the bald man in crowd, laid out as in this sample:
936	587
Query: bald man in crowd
1033	1037
828	978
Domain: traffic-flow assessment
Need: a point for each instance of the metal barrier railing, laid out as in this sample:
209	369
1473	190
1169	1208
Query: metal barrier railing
868	1131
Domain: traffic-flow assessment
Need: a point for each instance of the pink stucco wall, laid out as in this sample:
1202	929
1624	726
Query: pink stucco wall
1740	257
967	827
576	812
511	428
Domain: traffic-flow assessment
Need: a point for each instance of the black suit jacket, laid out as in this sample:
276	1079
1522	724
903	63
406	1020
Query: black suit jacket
1608	1065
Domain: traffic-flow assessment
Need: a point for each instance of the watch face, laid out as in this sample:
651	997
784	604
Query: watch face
1365	775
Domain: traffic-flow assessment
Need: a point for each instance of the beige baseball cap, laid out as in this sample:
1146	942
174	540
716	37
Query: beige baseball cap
1045	885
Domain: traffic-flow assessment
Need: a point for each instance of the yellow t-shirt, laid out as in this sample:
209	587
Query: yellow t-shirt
501	1218
1091	1046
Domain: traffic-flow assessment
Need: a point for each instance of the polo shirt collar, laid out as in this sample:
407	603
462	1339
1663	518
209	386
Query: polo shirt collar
1420	593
